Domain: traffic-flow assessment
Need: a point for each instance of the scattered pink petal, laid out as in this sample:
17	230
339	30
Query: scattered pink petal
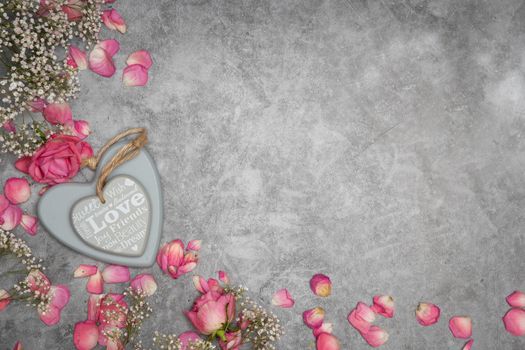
22	164
200	284
144	283
29	223
10	217
375	336
78	128
468	345
314	318
143	58
361	317
327	341
325	328
100	62
85	335
461	327
4	299
427	314
282	298
514	321
516	299
384	305
57	113
135	75
94	306
59	296
223	277
77	58
9	126
111	46
321	285
116	274
73	9
38	282
17	190
187	337
194	245
85	271
4	203
95	284
37	105
18	346
113	20
50	316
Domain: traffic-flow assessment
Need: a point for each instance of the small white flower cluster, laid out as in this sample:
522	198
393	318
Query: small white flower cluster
27	138
172	342
33	45
263	327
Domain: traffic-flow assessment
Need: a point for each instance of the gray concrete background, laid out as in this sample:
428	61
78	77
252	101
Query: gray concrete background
379	142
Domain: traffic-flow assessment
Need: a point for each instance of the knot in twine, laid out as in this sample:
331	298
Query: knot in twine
127	152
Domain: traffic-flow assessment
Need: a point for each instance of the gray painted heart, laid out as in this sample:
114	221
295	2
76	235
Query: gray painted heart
126	230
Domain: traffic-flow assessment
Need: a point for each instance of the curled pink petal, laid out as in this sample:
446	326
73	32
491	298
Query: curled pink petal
50	316
37	105
321	285
516	299
18	346
59	296
111	46
314	318
94	306
460	326
200	284
427	314
78	57
223	277
327	341
23	164
85	335
29	223
4	203
116	274
135	75
324	328
468	345
384	305
375	336
187	337
57	113
144	283
95	284
143	58
73	9
85	271
5	299
282	298
113	20
361	317
17	190
10	217
514	321
78	128
194	245
100	62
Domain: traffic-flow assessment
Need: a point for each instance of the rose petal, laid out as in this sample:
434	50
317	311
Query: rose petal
85	335
321	285
59	296
427	314
143	58
9	126
135	75
116	274
223	277
23	163
4	299
95	284
50	316
78	128
314	318
194	245
384	305
113	20
375	336
144	283
85	271
461	327
94	306
101	62
327	341
187	337
4	203
282	298
361	317
514	321
29	223
468	345
516	299
200	284
17	190
111	46
78	56
57	113
18	346
37	105
324	328
10	217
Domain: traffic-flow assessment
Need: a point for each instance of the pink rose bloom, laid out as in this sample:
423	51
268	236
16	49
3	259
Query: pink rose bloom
211	312
173	260
56	161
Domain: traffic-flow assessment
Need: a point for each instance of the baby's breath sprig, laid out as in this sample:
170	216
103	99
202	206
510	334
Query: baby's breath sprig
27	138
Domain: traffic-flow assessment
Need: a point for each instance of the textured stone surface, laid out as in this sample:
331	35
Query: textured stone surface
378	142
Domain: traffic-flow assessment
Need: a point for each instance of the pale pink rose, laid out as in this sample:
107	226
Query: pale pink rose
211	312
77	58
427	314
516	299
113	20
233	341
282	298
514	321
384	305
56	161
321	285
143	58
116	274
327	341
144	283
10	217
173	260
5	299
135	75
29	223
85	335
314	318
460	326
57	113
85	271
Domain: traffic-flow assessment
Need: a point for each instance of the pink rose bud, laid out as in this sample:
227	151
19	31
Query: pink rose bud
427	314
514	321
144	283
461	327
321	285
282	298
85	271
314	318
384	305
516	299
327	341
17	190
